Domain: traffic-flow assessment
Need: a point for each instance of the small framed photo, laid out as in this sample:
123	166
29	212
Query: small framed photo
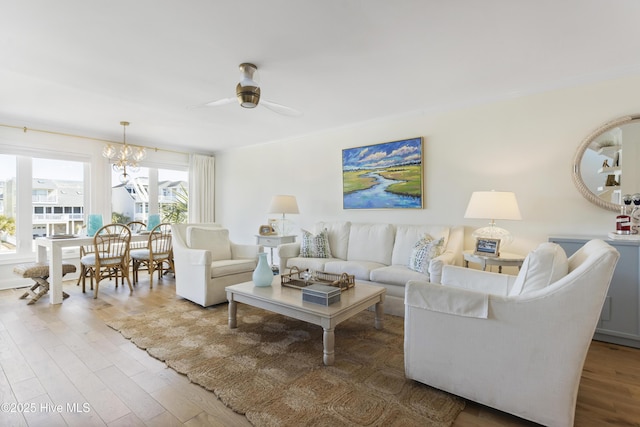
487	247
265	230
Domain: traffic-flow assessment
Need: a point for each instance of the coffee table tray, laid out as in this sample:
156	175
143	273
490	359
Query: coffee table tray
295	279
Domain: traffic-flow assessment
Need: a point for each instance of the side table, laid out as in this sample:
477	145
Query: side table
271	242
504	260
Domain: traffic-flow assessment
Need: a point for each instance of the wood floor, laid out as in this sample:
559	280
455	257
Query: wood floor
61	365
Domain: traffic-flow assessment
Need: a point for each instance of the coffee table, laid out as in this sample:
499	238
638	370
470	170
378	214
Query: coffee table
288	302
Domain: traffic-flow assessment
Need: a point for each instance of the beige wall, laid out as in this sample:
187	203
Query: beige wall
524	144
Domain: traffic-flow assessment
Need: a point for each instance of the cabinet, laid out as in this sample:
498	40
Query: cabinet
620	318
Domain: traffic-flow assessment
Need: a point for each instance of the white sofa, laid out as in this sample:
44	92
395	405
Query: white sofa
515	343
206	261
377	253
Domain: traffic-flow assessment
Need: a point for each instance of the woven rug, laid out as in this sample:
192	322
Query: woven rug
270	368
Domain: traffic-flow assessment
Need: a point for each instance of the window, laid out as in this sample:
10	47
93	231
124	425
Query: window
59	185
130	201
150	190
7	204
47	211
173	197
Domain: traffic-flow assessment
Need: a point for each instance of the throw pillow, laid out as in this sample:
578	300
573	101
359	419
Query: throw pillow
315	246
424	251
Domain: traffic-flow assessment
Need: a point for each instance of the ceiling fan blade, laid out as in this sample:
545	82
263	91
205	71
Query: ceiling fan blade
280	109
216	103
220	102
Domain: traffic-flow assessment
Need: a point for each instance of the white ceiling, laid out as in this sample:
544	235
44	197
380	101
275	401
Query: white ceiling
81	67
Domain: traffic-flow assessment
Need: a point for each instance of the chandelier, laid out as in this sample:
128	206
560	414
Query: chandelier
127	158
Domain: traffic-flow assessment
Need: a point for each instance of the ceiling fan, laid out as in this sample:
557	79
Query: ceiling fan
248	94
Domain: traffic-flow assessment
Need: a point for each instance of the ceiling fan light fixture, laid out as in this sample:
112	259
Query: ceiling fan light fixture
248	96
248	76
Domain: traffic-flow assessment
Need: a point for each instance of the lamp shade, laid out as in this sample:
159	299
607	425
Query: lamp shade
283	204
493	205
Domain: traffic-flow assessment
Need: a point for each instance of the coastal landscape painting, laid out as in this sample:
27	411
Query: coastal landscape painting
387	175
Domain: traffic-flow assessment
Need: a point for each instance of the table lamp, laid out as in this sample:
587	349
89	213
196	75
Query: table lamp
493	205
283	204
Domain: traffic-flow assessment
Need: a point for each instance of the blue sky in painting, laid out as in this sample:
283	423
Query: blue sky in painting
382	155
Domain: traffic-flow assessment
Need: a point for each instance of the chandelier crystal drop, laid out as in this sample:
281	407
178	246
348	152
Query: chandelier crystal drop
127	157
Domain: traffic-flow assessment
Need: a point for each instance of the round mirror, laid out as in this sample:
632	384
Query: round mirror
607	164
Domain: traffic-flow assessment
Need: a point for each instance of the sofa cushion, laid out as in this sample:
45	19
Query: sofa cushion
423	252
315	246
215	240
232	266
397	275
302	263
371	242
360	269
338	236
542	267
408	235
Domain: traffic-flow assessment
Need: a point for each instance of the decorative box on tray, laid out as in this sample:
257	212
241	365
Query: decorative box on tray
302	279
321	294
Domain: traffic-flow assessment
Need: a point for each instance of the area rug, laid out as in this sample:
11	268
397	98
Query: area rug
270	368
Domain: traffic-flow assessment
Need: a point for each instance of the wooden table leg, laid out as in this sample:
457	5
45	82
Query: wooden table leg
233	307
379	315
328	344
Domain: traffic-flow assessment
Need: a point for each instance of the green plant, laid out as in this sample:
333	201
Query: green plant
118	218
177	212
7	225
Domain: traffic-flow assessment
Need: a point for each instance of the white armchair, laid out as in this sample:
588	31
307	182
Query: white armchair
517	344
206	261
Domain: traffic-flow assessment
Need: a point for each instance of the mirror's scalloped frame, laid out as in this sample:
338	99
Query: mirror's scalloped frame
575	172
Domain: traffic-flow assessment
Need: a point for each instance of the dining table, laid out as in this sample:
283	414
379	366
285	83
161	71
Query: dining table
49	250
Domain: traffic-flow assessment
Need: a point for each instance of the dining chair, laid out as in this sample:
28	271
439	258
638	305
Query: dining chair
137	227
86	272
110	257
94	223
159	251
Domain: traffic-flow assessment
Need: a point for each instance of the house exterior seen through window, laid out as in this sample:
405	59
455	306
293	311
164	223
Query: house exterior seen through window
56	205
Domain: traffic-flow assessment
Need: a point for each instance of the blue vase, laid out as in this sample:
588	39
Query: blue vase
152	221
94	224
262	275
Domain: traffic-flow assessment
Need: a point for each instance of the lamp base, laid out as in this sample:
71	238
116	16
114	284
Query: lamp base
284	227
493	232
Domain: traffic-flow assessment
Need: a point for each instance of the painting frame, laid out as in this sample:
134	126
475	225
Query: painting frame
487	247
388	175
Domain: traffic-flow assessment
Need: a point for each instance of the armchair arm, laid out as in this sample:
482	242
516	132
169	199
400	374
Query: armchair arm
477	280
193	267
289	250
286	251
239	251
436	265
451	256
446	299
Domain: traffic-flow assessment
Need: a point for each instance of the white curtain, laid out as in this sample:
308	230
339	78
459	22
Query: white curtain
201	188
